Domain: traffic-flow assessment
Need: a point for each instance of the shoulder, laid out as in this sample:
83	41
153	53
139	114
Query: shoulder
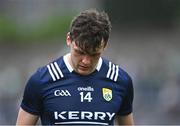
115	73
50	72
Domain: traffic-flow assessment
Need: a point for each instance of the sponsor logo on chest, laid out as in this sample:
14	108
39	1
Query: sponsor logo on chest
88	88
81	115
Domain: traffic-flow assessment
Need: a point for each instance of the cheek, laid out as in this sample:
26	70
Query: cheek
75	59
95	61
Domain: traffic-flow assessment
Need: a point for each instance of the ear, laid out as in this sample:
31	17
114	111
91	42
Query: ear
68	39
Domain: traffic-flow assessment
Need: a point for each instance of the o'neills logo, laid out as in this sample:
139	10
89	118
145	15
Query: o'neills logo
89	88
81	115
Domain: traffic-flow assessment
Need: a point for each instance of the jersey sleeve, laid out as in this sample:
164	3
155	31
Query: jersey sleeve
31	102
127	103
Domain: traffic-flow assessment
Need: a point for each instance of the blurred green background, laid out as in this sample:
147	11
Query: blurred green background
144	41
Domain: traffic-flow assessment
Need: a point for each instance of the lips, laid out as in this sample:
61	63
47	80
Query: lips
84	67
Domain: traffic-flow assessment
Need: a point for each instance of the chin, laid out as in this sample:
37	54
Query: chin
84	72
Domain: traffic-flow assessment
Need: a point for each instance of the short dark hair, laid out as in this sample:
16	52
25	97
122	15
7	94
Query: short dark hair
89	28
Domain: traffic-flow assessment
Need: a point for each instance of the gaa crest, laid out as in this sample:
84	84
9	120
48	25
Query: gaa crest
107	94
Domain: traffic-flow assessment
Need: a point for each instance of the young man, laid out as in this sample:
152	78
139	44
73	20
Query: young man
81	87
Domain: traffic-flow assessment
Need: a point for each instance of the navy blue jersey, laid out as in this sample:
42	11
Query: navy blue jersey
59	95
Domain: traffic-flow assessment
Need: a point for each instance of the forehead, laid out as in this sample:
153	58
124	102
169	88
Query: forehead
89	51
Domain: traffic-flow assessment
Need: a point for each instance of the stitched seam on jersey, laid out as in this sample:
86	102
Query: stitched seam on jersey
58	69
51	73
54	70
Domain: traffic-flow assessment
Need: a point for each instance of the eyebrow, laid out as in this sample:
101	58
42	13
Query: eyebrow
78	49
86	52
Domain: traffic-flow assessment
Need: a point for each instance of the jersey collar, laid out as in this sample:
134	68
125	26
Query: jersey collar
70	68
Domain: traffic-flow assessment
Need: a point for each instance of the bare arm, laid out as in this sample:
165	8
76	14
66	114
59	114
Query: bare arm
125	120
25	118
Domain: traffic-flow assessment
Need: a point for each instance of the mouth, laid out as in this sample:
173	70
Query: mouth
84	67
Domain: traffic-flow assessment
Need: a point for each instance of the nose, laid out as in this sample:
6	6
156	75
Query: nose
86	60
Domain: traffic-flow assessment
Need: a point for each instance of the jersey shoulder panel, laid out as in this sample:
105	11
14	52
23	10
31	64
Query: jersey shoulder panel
32	94
114	72
52	72
122	82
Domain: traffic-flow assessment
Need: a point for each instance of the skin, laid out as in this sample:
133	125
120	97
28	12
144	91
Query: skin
125	120
84	64
25	118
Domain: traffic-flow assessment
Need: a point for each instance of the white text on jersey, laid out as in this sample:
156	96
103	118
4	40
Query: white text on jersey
89	88
76	115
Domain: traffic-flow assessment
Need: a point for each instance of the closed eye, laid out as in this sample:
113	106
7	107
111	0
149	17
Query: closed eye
96	54
80	52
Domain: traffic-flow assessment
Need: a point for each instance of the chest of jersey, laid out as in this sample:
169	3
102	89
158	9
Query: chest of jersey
81	101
